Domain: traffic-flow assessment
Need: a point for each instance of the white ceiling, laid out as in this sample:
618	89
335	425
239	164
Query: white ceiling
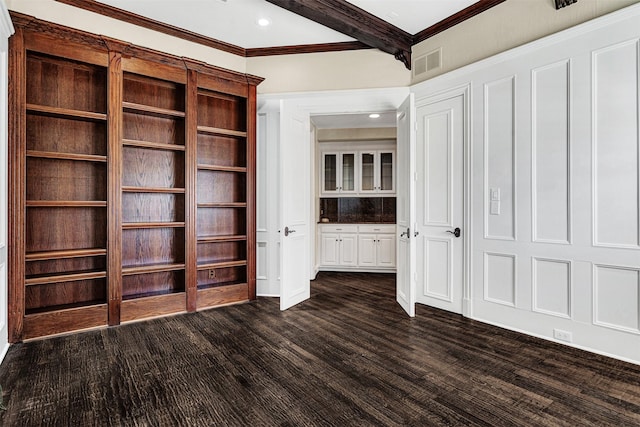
387	119
235	21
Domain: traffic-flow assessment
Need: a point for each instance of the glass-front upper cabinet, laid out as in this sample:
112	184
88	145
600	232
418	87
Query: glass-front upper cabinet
338	172
377	171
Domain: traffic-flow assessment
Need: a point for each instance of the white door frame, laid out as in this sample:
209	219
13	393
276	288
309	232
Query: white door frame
336	102
465	92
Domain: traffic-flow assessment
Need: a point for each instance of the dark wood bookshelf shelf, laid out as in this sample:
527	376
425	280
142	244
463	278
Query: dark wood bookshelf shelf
223	264
69	277
137	225
65	112
223	205
65	204
215	239
166	190
77	253
65	308
222	168
154	111
66	156
224	132
156	268
152	145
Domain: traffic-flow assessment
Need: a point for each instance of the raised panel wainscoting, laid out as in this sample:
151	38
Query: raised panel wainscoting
132	182
554	169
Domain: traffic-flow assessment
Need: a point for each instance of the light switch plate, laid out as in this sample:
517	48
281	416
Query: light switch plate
495	194
495	208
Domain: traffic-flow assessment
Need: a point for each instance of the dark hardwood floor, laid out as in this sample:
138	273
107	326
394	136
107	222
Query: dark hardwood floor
347	357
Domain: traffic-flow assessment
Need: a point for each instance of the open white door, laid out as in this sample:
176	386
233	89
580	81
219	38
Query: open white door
295	187
405	211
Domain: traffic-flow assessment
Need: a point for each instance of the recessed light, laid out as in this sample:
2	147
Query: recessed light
264	22
374	116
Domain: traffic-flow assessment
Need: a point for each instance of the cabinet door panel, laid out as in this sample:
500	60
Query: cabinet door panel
367	172
349	250
386	171
330	172
386	251
367	250
330	249
348	182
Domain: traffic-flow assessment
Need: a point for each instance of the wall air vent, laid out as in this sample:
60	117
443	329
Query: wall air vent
428	62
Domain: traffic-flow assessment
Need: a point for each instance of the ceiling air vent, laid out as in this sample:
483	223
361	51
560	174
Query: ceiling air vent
428	62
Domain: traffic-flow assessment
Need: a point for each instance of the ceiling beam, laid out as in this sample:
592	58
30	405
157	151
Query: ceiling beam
348	19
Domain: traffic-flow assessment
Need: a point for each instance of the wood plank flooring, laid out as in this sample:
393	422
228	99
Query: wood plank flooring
347	357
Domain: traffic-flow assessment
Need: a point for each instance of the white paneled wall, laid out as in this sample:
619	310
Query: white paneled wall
555	185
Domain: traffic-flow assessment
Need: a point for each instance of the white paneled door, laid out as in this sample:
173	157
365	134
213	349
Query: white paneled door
439	204
295	185
405	270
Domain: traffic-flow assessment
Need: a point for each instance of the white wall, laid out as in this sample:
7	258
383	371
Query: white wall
555	127
356	69
6	29
505	26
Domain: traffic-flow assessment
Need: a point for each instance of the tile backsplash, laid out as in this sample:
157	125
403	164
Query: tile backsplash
359	209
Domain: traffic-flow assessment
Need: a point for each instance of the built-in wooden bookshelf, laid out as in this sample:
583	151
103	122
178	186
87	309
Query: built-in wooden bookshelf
132	181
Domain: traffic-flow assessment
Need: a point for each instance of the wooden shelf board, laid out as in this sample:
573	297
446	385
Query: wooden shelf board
223	132
145	306
223	205
66	112
158	268
213	239
222	168
220	285
152	145
66	156
74	253
59	278
221	265
60	309
148	109
65	204
150	294
218	296
137	225
166	190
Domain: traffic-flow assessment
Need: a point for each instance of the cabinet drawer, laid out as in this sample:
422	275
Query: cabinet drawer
377	228
338	228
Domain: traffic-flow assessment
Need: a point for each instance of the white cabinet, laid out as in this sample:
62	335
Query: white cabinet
338	246
357	172
338	173
377	171
363	247
376	247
